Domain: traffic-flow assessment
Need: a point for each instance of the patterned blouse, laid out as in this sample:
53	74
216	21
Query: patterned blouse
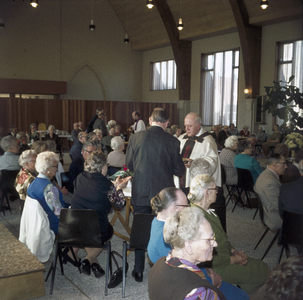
22	182
227	157
198	293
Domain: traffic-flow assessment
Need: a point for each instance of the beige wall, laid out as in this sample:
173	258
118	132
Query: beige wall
270	35
53	42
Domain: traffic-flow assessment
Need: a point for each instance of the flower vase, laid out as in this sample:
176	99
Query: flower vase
293	153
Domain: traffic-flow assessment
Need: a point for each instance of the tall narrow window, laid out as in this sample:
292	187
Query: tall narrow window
290	63
220	73
163	75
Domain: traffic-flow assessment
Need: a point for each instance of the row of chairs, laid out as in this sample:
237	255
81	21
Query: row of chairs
292	228
81	228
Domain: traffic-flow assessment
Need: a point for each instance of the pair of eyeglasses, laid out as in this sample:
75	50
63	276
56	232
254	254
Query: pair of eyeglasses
283	163
88	151
214	189
212	240
183	205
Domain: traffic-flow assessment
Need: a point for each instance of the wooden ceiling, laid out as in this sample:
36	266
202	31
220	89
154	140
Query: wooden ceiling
201	18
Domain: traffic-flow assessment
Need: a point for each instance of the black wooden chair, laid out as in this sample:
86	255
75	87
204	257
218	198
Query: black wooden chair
139	238
230	188
78	228
245	184
7	186
261	211
291	233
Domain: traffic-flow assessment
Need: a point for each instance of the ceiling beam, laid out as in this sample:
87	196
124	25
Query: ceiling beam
250	40
181	49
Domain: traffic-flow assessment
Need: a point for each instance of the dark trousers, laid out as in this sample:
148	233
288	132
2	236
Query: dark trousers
140	253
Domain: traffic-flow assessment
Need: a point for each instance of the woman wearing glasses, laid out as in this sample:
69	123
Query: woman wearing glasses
170	201
42	190
232	265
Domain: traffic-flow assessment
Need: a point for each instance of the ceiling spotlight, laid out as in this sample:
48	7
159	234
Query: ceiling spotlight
34	3
180	25
92	27
264	4
126	39
150	4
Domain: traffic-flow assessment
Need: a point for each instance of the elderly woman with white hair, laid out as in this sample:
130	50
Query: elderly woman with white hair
10	159
261	135
232	265
245	132
227	157
167	201
43	190
177	276
92	190
27	173
116	158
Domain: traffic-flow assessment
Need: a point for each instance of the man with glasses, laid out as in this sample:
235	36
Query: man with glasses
77	165
75	151
268	188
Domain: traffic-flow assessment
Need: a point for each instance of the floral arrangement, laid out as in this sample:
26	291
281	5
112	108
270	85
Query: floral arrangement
124	172
294	141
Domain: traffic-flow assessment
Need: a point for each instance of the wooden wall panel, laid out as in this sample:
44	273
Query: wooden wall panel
63	113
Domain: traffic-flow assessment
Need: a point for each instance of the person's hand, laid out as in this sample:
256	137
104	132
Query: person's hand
121	183
216	279
64	191
238	257
189	161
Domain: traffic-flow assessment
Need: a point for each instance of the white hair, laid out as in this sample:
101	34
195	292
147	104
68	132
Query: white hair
116	143
198	187
202	165
8	142
45	160
111	123
26	157
51	126
230	142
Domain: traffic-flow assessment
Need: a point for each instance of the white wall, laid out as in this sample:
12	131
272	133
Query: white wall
53	42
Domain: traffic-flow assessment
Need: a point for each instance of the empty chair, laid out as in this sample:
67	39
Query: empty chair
78	228
266	230
139	238
230	188
291	233
42	126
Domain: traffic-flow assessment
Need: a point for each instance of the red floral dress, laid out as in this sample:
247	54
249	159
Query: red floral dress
22	182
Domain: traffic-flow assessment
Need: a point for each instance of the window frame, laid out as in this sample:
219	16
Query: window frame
202	84
174	83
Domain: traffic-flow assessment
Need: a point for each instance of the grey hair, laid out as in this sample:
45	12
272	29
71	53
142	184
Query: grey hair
95	162
76	123
51	126
243	145
39	147
26	157
162	200
45	160
174	128
51	145
80	134
97	144
282	149
301	166
159	114
118	126
98	110
183	226
8	142
111	123
33	124
12	127
97	131
91	136
260	126
116	143
198	187
87	144
231	141
19	134
202	165
274	158
245	126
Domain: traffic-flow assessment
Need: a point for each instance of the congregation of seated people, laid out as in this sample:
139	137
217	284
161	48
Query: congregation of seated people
188	233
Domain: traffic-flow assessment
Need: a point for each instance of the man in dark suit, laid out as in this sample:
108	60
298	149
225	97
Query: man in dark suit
154	156
75	151
291	195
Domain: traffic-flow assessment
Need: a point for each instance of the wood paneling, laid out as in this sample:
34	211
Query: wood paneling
63	113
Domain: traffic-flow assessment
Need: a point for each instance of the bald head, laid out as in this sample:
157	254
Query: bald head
192	123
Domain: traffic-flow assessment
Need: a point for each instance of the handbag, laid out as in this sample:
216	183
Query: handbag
117	276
